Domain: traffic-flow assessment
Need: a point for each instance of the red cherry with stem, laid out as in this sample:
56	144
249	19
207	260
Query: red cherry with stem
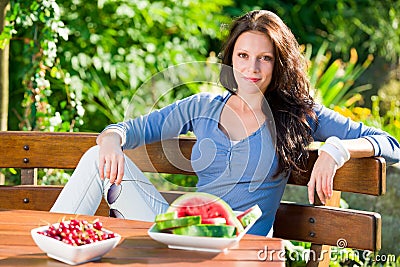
98	225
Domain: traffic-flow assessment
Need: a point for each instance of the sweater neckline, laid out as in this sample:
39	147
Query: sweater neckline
231	142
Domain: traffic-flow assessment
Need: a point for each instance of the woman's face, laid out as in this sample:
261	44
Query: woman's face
253	62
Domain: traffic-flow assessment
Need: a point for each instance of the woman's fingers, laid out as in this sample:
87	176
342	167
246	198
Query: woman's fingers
321	180
328	185
101	166
111	157
318	186
311	189
113	168
121	164
111	165
107	168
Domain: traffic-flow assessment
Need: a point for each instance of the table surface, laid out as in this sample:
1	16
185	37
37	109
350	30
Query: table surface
135	248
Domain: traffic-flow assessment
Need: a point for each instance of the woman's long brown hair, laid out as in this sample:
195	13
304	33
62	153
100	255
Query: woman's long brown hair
288	93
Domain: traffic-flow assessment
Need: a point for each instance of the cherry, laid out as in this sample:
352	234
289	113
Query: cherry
97	225
78	232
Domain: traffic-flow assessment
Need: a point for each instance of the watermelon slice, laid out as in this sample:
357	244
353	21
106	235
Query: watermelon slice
166	216
207	206
249	216
180	222
226	231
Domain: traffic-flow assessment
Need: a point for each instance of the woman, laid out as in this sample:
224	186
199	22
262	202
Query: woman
238	155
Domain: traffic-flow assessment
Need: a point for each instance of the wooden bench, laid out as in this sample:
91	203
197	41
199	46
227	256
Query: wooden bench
321	225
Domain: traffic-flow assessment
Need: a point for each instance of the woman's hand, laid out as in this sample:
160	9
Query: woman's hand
111	157
321	178
325	166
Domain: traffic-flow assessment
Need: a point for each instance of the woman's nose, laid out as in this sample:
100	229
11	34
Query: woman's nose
254	65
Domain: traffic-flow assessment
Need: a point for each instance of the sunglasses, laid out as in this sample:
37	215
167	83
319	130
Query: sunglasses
114	192
112	195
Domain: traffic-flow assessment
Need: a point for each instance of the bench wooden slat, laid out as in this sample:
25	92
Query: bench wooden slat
30	197
170	156
42	197
293	221
46	150
43	150
325	225
358	175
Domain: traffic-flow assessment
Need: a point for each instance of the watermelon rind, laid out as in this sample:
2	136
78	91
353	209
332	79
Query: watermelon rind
180	222
166	216
214	221
250	215
207	230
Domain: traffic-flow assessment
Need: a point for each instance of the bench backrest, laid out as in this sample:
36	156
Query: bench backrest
30	150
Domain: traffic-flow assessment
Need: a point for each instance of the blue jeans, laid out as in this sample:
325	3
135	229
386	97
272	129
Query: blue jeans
135	198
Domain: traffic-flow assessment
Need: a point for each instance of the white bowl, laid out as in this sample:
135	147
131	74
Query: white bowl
198	243
69	254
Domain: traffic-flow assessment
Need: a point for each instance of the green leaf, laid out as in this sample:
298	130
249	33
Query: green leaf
328	78
331	93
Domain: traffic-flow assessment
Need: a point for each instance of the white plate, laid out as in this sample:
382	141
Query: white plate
199	243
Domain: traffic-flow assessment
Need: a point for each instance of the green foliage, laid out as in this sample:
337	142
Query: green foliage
379	34
173	182
53	177
297	253
389	120
35	28
115	46
333	81
371	26
85	63
13	176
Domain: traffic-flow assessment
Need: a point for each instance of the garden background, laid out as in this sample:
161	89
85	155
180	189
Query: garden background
75	65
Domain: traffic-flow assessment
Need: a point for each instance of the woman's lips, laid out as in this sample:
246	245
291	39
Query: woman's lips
254	80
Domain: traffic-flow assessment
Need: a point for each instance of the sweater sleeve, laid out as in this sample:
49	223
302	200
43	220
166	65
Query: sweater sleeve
162	124
331	123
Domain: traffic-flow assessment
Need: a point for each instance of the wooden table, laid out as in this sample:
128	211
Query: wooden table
136	247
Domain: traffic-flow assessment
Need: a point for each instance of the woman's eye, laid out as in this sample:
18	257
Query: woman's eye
266	58
242	55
